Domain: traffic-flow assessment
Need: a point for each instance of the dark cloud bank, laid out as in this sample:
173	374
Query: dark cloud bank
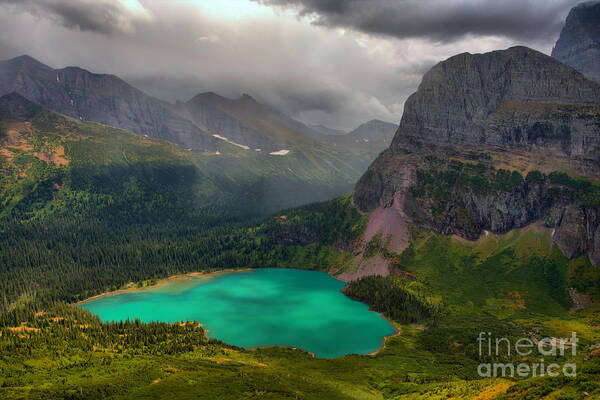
438	20
103	16
312	71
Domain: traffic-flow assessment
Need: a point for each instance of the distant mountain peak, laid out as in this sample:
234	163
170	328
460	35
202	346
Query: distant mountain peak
326	130
26	63
579	41
211	96
24	58
586	5
206	95
376	121
102	98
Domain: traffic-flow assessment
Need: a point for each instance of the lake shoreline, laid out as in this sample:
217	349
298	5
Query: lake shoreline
397	332
200	274
131	288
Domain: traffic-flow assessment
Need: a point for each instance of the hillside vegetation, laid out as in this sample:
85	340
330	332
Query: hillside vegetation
52	164
510	285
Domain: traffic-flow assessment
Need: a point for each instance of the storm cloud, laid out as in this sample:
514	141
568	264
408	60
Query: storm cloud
103	16
338	64
438	20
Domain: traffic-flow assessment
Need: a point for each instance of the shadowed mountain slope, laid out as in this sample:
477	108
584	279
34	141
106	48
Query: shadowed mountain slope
100	98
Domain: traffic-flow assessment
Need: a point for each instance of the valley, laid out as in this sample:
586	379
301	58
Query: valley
218	248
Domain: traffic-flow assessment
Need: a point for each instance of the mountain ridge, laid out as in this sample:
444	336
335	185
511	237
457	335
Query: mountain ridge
579	42
374	135
203	123
100	159
102	98
474	99
490	142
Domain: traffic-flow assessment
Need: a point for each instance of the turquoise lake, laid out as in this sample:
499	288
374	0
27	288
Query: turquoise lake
263	307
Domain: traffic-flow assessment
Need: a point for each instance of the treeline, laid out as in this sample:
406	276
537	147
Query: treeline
70	259
61	325
327	222
391	296
442	178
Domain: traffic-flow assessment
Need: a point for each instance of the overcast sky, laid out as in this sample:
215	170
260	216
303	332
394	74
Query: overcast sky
332	62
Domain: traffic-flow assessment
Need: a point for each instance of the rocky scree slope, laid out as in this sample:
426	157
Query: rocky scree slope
472	109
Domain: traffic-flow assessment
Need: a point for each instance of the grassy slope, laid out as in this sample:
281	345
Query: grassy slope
496	284
78	155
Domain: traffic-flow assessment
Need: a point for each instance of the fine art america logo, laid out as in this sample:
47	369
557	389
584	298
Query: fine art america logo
531	350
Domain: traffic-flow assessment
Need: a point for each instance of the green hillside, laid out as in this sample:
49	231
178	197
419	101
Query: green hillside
467	287
88	208
52	164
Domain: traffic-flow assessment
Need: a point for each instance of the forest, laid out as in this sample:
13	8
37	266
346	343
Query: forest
395	298
74	257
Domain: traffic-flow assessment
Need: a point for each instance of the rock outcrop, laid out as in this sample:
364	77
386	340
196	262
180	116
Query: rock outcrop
516	98
504	102
579	41
100	98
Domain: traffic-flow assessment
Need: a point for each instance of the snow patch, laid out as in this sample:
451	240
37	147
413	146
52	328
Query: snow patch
279	153
231	142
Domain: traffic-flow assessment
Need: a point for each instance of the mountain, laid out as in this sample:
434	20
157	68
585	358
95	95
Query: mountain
206	122
100	98
456	237
250	153
252	125
211	112
40	148
248	122
325	130
373	136
489	99
579	41
491	142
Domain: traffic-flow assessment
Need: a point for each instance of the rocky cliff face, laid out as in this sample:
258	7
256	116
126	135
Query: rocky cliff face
468	205
490	110
100	98
516	98
579	41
